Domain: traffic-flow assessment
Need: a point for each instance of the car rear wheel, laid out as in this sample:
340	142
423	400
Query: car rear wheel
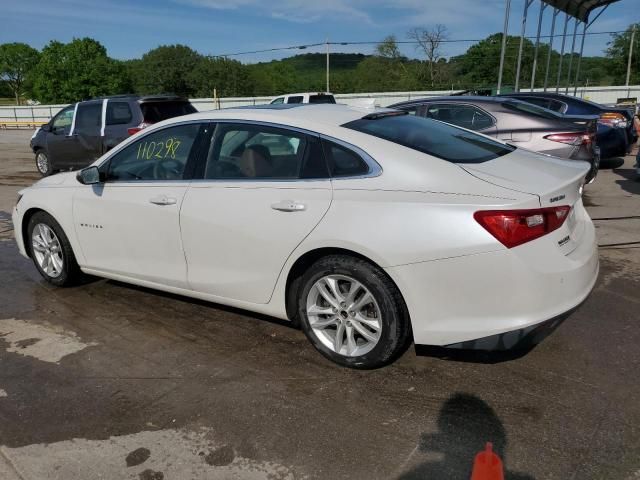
51	251
43	164
352	312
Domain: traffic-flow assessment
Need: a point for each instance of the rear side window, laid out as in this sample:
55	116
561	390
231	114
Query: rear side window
321	99
154	112
466	116
296	99
342	161
431	137
541	102
524	107
118	113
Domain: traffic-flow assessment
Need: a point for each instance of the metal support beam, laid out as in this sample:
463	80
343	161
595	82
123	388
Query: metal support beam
564	38
573	46
328	66
527	3
504	44
535	52
584	34
553	28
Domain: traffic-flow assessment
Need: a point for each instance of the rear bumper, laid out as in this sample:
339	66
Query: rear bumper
497	299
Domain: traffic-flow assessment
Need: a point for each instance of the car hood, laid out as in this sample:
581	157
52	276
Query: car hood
64	178
551	179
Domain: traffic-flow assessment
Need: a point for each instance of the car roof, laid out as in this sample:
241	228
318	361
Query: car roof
303	93
451	98
141	98
314	117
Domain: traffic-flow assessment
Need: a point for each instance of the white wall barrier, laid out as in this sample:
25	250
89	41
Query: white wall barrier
42	113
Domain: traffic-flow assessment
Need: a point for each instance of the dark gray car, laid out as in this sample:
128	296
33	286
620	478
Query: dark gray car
519	123
82	132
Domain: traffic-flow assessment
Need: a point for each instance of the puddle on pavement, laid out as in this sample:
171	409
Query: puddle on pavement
171	453
44	342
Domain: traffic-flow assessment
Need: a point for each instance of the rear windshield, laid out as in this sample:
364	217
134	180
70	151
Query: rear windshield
321	99
154	112
532	109
432	137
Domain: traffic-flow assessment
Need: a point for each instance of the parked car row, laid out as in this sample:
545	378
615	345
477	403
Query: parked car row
368	228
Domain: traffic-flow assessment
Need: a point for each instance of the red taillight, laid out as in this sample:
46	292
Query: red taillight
515	227
134	130
572	138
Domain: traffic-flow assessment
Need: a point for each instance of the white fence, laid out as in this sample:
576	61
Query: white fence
42	113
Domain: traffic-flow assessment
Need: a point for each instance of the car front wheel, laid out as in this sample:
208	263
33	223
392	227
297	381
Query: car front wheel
43	164
51	251
352	312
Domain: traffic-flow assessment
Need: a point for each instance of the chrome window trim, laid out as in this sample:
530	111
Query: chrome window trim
375	169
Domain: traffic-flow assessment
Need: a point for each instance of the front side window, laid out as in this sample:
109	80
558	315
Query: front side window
63	120
161	155
118	113
433	138
241	151
466	116
278	101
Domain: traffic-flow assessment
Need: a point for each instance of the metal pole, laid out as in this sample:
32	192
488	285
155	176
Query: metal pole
522	32
573	45
553	27
328	66
535	52
633	36
584	34
504	44
564	38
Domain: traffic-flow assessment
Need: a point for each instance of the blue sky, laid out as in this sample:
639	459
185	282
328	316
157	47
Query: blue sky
128	29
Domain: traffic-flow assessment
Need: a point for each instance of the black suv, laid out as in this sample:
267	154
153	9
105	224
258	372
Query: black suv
82	132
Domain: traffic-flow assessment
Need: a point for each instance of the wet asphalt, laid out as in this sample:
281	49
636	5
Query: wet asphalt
154	362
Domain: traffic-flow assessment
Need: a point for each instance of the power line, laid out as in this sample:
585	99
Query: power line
368	42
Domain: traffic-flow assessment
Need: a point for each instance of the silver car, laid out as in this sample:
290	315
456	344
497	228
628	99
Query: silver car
519	123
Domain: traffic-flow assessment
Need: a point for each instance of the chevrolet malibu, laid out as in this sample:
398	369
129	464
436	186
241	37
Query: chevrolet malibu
369	229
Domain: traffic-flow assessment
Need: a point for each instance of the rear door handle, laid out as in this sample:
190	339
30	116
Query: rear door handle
163	200
289	206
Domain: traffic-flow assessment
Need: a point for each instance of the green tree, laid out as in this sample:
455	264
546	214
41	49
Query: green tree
228	77
166	69
17	60
76	71
618	52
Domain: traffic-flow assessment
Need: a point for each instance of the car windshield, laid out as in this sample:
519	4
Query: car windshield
431	137
532	109
154	112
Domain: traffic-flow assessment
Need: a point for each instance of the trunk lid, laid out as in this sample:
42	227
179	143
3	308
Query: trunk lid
556	182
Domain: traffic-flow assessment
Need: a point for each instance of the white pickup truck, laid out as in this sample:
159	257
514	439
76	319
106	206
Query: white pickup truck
309	97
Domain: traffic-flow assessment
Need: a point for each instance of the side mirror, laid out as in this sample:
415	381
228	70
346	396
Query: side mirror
89	176
46	127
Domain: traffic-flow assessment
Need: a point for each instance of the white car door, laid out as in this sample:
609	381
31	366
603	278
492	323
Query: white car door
129	224
263	191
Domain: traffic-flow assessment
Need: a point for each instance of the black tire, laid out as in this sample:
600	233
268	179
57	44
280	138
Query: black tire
43	164
396	327
70	273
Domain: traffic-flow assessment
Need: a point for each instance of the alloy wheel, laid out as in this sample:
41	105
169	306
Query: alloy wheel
47	250
344	315
42	162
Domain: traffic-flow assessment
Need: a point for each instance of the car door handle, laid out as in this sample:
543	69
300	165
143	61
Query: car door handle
289	206
163	200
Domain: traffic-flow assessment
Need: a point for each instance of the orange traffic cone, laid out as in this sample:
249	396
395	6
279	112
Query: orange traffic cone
487	465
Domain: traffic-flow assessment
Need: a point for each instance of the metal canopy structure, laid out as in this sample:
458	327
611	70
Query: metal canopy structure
579	10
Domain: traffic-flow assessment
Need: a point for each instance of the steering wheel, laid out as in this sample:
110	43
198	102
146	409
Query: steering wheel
167	169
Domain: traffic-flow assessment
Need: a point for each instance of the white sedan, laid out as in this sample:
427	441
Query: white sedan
367	228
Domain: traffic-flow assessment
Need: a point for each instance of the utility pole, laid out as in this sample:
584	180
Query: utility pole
633	36
327	44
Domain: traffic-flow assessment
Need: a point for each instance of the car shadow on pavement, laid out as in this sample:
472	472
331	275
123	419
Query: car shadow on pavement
465	424
629	182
